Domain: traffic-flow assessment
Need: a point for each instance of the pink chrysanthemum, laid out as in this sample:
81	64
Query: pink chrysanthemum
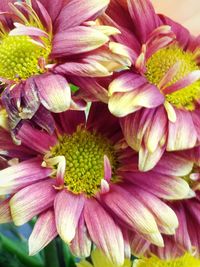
187	237
157	100
84	185
43	44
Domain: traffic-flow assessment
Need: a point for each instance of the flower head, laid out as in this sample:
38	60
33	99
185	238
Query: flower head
157	99
83	183
184	261
43	44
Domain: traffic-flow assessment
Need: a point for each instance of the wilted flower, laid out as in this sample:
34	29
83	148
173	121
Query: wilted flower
42	44
84	184
157	100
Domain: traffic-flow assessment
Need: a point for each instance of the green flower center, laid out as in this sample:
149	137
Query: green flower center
20	57
159	64
84	153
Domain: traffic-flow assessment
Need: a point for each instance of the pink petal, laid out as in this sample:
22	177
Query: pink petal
91	68
104	232
35	139
54	92
165	216
75	12
138	245
70	119
174	164
68	208
122	104
107	169
182	133
163	186
144	18
77	40
22	174
184	82
130	210
26	30
43	233
126	82
31	201
81	244
5	215
148	159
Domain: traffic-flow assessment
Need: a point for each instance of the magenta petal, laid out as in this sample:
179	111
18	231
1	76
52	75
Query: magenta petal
35	139
54	92
75	12
77	40
130	210
26	30
182	133
43	233
122	104
144	18
68	208
81	244
31	201
5	215
70	120
22	174
104	232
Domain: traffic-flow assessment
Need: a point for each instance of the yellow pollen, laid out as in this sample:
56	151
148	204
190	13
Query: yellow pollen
19	58
185	261
84	153
159	64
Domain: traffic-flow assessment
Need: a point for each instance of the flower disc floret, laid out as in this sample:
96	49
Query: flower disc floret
19	57
84	153
160	63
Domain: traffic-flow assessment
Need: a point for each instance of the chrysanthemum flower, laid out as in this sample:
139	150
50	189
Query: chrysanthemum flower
84	184
42	44
187	236
157	100
99	259
185	261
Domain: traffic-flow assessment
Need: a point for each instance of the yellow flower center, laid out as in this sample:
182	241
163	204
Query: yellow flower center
159	64
20	57
84	153
185	261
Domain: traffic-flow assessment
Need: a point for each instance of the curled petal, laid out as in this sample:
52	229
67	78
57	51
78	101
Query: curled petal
54	92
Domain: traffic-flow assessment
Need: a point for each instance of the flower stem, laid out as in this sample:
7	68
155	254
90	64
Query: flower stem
12	247
51	255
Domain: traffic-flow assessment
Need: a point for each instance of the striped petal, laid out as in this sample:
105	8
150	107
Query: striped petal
75	12
182	133
130	210
104	232
54	92
36	139
22	174
31	201
5	215
81	244
77	40
43	233
144	18
122	104
68	209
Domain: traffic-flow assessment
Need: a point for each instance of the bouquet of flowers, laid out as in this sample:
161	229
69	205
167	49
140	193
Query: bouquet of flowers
99	134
